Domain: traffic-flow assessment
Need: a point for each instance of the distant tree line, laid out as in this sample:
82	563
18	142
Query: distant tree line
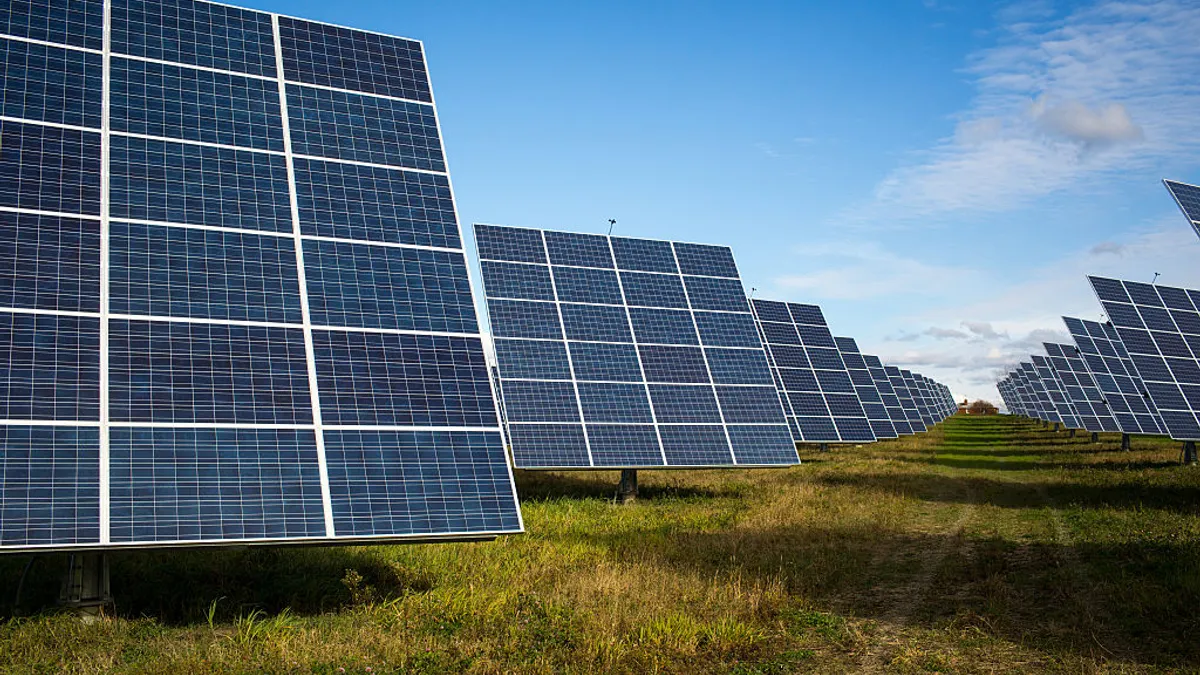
981	407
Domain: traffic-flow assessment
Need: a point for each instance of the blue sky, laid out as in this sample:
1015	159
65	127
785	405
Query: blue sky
938	176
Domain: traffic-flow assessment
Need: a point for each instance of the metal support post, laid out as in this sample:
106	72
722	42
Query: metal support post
1125	445
627	489
85	585
1189	452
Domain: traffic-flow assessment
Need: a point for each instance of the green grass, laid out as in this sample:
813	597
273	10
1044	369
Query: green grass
985	545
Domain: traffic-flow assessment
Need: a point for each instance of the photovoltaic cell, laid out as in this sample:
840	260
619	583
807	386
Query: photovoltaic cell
809	371
255	258
866	389
888	395
1058	395
1159	348
665	369
1188	198
1081	388
904	395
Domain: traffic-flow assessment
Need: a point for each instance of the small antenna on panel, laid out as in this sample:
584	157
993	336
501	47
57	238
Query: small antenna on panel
1156	275
753	290
611	223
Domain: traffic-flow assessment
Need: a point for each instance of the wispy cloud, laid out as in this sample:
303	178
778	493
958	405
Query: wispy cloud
855	270
1061	103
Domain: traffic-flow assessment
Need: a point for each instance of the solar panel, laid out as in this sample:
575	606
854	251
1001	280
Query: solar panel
1159	326
1041	394
1058	395
891	401
627	353
864	386
905	395
1025	394
1188	199
222	323
1120	385
1081	388
918	395
813	382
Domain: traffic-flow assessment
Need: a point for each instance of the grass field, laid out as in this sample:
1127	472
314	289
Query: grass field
985	545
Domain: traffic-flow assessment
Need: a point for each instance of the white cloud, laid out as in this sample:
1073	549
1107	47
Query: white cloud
946	334
862	270
1060	104
983	329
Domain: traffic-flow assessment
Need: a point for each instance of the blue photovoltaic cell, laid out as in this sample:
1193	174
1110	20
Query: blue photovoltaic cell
509	244
517	281
49	168
533	359
49	485
370	286
521	319
71	22
677	365
418	482
156	99
684	404
866	389
595	323
214	484
50	368
196	33
198	185
705	260
719	294
578	284
616	444
352	201
605	362
349	59
214	437
738	366
188	372
178	271
695	445
1188	198
50	84
341	125
663	326
1121	387
549	445
653	290
403	380
580	250
762	444
635	349
49	263
612	402
644	255
720	329
540	401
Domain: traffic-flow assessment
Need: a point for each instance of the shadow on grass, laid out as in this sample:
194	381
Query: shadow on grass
1005	494
538	486
1048	463
178	586
1138	600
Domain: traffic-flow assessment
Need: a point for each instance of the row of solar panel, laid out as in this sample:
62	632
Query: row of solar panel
229	39
1138	374
592	329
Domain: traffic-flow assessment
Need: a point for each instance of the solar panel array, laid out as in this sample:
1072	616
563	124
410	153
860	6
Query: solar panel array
233	293
627	353
887	392
814	384
1124	393
905	395
1057	393
1081	388
1188	199
866	388
1159	327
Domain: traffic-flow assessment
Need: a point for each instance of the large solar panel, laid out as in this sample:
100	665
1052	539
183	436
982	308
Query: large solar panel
866	389
1160	328
918	397
1058	395
814	385
233	298
1124	393
905	395
1188	199
627	353
1081	388
1028	396
887	392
